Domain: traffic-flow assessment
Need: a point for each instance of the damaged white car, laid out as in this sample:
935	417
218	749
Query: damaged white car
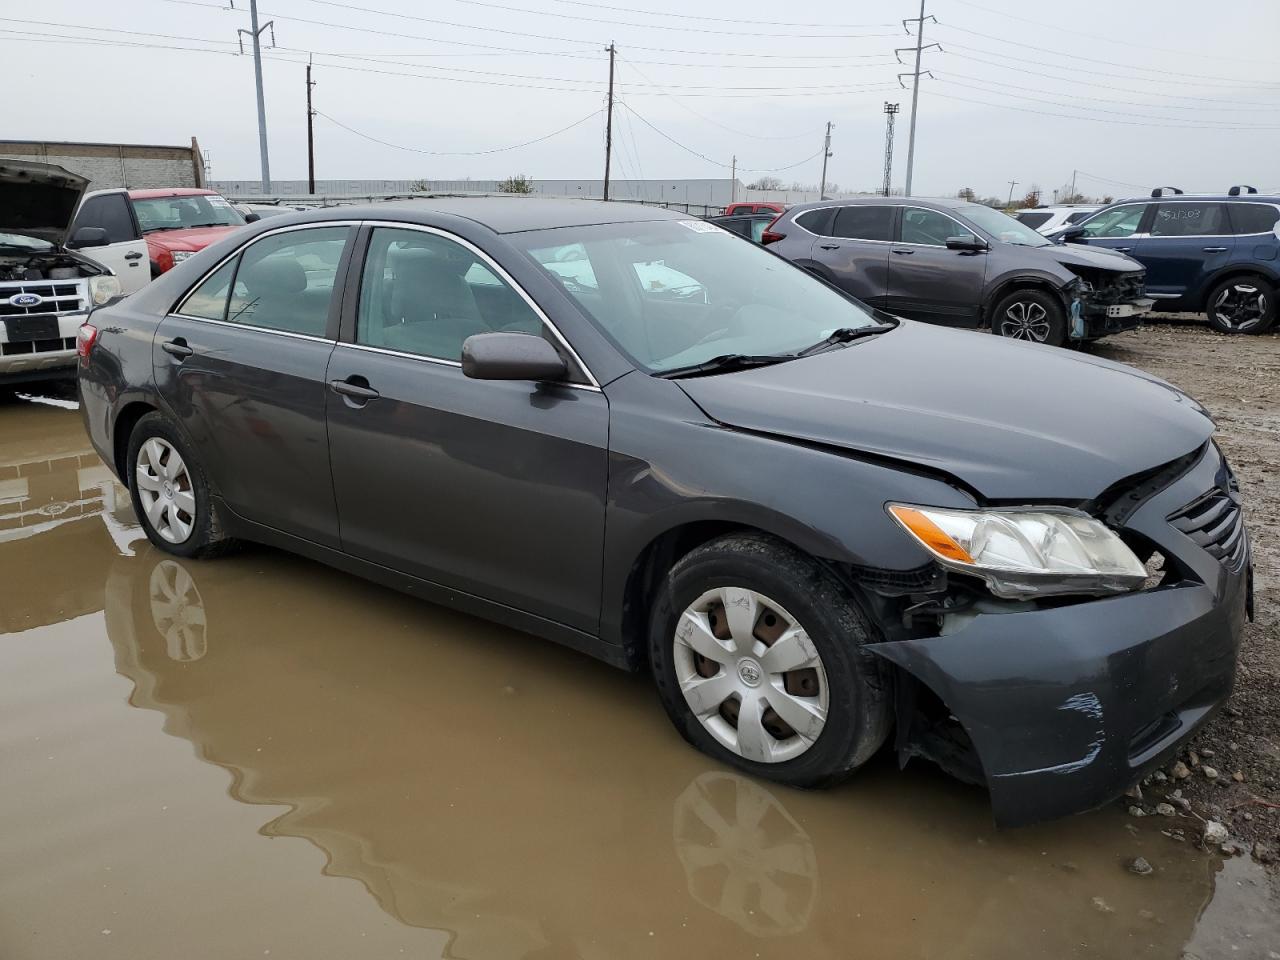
46	290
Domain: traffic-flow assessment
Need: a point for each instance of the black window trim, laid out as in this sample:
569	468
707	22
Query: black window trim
331	328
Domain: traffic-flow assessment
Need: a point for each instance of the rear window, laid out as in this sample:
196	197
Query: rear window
1035	220
1253	218
817	221
864	223
1189	219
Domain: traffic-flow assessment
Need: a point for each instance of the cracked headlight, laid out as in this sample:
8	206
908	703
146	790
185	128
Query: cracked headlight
103	289
1026	552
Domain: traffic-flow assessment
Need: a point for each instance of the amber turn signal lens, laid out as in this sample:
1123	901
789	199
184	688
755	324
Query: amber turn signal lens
930	534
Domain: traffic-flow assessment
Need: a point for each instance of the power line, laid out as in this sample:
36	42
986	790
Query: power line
703	156
1065	116
1125	41
1233	81
773	34
459	153
695	16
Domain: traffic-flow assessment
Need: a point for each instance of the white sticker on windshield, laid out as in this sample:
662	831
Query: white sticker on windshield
700	226
217	201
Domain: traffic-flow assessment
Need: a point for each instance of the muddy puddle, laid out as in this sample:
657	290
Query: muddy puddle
257	756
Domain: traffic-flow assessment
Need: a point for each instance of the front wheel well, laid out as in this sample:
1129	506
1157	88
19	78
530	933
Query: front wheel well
126	420
1010	286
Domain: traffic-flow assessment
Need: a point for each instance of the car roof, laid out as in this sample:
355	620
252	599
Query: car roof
1201	197
510	214
170	192
949	203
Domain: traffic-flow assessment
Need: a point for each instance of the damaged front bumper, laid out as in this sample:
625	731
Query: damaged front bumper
1091	319
1067	706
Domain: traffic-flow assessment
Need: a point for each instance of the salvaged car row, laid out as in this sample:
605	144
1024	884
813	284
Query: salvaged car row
638	435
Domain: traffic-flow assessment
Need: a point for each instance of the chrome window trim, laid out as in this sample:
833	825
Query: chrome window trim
501	273
176	310
249	326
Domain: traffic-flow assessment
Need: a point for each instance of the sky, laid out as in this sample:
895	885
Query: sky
1130	94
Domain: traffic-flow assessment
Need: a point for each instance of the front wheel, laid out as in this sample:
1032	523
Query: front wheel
1241	305
1030	315
170	492
757	653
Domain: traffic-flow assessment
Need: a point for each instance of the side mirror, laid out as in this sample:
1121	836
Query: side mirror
88	237
966	242
511	356
252	217
1069	234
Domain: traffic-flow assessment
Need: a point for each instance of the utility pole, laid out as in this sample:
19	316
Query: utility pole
890	114
255	32
733	181
608	123
920	47
311	137
826	155
1072	198
1012	184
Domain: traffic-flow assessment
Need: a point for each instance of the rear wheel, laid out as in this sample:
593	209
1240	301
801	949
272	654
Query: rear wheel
1030	314
757	655
170	492
1241	305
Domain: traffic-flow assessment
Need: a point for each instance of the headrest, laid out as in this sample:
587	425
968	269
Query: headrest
274	276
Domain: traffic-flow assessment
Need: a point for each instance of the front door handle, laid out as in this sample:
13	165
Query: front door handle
904	253
177	348
357	388
1123	249
135	255
1214	249
828	246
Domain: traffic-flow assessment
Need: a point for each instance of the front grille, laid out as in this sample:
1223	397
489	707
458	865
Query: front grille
1215	523
37	346
60	296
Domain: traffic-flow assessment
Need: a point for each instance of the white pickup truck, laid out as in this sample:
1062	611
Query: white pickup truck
46	290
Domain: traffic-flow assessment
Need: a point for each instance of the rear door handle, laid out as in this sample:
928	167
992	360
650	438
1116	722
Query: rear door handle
353	388
828	246
904	253
133	256
177	348
1214	249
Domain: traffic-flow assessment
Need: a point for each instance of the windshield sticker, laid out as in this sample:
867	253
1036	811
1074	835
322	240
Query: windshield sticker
700	226
217	201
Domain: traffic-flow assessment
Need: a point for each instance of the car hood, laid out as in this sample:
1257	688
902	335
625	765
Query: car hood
195	239
38	199
1013	421
1081	255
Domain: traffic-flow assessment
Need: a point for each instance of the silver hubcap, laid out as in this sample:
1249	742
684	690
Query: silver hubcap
1240	307
164	487
1025	320
750	674
177	610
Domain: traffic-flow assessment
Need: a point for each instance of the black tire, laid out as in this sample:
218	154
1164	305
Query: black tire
859	714
1032	315
207	537
1241	305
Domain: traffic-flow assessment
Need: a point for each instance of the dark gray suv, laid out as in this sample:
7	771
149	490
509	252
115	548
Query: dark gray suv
650	439
964	265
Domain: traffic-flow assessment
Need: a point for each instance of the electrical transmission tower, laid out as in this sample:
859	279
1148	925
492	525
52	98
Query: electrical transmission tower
890	114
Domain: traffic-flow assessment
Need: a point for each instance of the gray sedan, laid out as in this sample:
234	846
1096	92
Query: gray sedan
654	441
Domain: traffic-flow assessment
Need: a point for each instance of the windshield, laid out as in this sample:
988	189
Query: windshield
186	212
675	293
23	242
1002	226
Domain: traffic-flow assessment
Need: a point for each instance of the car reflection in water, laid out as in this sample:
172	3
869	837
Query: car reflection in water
532	803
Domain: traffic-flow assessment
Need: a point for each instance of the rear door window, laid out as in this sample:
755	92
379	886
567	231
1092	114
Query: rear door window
1247	218
285	282
1190	219
864	223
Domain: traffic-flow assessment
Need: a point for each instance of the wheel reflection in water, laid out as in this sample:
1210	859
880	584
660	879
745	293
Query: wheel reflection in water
177	609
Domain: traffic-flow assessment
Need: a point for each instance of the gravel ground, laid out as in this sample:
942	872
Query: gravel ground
1231	772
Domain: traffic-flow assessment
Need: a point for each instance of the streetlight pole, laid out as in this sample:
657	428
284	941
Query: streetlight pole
255	32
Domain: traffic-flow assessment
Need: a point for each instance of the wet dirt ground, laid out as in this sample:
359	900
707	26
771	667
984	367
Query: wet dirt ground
260	757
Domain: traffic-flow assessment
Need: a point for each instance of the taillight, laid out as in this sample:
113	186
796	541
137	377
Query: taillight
770	235
85	339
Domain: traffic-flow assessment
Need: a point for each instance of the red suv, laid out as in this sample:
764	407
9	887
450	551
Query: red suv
757	206
179	221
